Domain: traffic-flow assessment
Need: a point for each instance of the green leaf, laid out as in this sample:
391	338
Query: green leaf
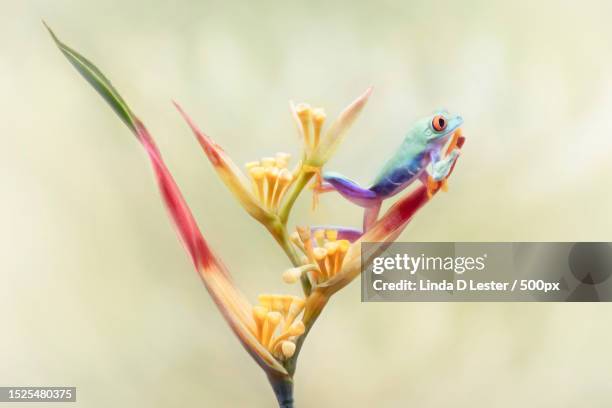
97	79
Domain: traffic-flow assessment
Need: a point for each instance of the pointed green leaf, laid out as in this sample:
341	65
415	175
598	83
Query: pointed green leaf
97	80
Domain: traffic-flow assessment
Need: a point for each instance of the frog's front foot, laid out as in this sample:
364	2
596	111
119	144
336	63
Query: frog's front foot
442	168
438	172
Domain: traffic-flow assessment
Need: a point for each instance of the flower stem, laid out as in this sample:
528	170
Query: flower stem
301	182
314	306
283	389
280	231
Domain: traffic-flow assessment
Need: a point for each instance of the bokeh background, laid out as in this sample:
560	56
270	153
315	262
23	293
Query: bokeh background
97	292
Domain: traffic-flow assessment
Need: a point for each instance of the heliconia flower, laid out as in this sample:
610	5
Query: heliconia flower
252	200
267	331
240	315
324	258
324	253
269	177
318	145
277	324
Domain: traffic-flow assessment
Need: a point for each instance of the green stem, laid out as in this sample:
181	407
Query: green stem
284	388
280	231
302	180
314	306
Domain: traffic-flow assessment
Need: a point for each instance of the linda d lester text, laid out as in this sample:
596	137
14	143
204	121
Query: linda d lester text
425	285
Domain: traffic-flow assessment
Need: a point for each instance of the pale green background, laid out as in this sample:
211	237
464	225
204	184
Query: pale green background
97	292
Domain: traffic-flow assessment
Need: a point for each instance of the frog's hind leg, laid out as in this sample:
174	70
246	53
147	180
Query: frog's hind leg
370	215
350	190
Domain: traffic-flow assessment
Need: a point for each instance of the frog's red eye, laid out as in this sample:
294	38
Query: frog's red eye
439	123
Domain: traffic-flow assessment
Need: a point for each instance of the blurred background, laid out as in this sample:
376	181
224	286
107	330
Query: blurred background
98	293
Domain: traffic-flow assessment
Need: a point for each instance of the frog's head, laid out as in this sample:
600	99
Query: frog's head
435	129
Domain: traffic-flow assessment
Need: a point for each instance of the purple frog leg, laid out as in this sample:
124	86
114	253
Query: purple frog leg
350	190
363	197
